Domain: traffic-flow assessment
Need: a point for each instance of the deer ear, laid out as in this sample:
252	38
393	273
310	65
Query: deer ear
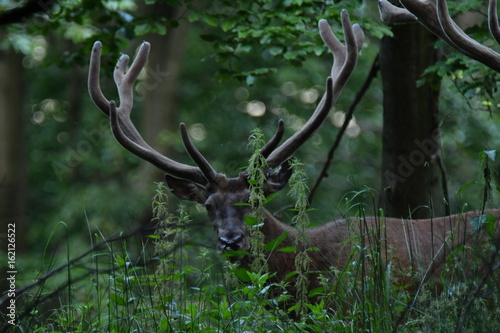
278	178
186	190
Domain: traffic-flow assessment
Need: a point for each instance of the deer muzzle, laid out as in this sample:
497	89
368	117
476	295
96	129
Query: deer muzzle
232	243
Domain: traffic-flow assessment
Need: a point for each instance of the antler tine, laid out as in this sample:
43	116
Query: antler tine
94	84
354	37
334	45
284	151
208	171
121	125
435	17
414	11
172	167
390	13
359	35
102	102
493	20
345	58
463	43
275	140
125	79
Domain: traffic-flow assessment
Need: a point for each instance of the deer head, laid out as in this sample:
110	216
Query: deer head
202	183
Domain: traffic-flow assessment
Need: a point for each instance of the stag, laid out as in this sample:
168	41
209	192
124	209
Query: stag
405	242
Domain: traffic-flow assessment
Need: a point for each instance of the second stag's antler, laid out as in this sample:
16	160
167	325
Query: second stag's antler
434	15
345	58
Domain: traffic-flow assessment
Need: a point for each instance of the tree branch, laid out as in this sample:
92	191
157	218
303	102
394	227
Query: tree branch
324	172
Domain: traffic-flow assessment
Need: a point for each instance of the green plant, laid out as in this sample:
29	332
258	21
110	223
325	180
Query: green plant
179	288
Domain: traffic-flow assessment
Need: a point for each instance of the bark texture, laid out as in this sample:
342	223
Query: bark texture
411	155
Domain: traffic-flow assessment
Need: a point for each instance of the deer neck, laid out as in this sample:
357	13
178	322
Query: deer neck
274	228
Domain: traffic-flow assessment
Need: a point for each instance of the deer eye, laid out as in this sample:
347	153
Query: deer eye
209	207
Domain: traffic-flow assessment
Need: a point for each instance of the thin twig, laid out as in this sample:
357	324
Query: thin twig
466	308
324	172
444	183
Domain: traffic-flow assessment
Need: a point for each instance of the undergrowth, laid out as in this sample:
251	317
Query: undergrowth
172	287
170	294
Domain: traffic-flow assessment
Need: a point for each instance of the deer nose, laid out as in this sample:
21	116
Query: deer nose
231	243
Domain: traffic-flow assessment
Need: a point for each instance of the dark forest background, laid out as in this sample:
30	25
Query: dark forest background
224	68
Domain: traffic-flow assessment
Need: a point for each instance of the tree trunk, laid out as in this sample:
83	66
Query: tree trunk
12	150
411	141
159	89
12	161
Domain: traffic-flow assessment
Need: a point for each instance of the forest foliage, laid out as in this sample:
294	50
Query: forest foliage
251	54
246	65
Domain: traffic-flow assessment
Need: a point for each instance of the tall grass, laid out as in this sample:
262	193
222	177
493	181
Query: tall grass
166	285
168	293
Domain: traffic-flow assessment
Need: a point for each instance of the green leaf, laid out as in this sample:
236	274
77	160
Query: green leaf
160	28
241	204
164	324
243	49
288	249
117	299
270	197
291	274
275	50
210	20
119	260
142	29
318	291
486	220
192	15
242	274
250	221
275	242
253	182
491	154
227	25
465	186
477	222
234	254
490	224
250	80
291	55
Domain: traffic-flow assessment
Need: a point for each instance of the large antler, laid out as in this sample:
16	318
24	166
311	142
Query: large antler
344	61
121	125
345	58
433	14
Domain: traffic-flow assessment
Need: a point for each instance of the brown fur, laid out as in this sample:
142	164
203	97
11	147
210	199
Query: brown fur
415	249
412	246
409	245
